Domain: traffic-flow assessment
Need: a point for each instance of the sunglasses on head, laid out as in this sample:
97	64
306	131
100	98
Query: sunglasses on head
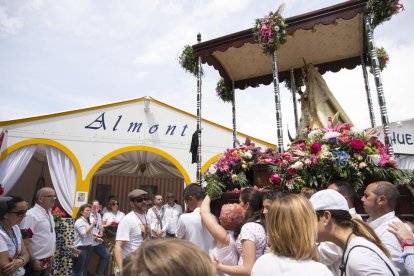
19	213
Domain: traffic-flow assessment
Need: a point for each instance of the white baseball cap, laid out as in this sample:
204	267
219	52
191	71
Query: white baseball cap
329	200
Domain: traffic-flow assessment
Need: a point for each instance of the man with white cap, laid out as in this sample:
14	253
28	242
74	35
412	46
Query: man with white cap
133	229
363	253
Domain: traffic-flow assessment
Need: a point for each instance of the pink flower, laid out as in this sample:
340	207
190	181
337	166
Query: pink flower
357	144
315	148
292	171
344	139
275	179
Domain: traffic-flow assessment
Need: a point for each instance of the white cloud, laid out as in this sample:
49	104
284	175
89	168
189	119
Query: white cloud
9	24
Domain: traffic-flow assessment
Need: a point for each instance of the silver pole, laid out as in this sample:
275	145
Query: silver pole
378	84
368	91
199	180
293	89
279	128
233	109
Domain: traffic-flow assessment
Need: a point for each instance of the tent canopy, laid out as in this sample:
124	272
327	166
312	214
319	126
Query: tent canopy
331	38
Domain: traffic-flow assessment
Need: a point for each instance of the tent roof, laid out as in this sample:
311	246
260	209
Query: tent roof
331	38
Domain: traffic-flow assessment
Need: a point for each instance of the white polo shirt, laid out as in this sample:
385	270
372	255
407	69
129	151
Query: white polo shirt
110	217
380	226
172	213
191	228
98	228
81	237
43	242
8	245
130	231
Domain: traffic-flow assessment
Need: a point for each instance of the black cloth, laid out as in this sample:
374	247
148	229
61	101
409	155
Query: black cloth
194	147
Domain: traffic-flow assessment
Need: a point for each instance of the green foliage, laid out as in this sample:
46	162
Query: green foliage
188	61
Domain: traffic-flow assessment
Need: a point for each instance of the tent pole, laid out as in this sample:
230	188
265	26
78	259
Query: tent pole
233	109
368	91
199	115
279	127
378	83
293	88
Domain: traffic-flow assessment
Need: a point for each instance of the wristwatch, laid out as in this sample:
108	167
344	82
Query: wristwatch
407	242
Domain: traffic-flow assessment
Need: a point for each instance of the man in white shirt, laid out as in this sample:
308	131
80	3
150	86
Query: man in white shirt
190	226
42	245
379	200
173	211
97	244
133	229
157	215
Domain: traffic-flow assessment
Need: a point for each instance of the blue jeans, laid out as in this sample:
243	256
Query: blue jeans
102	251
80	264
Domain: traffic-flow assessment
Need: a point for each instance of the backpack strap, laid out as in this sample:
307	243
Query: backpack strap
154	209
342	267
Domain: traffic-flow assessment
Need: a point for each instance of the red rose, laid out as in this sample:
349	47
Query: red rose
275	179
357	144
315	148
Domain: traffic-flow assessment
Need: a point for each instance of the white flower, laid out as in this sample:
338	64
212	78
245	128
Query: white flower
298	165
330	134
212	169
374	158
314	132
204	184
248	155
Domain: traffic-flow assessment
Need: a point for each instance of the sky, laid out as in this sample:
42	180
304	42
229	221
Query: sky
69	54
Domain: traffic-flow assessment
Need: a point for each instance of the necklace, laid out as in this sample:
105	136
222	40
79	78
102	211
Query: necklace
144	229
12	237
49	220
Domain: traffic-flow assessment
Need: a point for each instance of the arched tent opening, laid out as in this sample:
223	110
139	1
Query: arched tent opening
36	163
133	168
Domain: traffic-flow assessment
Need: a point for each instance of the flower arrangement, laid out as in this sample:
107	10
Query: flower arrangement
383	10
270	32
335	152
383	58
188	61
224	92
26	233
230	171
1	190
58	214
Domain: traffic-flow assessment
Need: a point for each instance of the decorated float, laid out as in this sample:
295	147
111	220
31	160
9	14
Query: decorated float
299	50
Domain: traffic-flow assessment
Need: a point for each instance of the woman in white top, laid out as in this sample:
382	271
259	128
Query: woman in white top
251	237
83	240
113	216
364	253
291	229
231	217
13	254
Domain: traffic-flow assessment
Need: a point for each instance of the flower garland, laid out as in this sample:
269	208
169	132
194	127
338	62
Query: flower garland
383	58
188	61
335	152
270	32
224	92
383	10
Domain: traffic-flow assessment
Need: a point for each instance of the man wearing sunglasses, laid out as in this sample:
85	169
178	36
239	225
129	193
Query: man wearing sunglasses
134	228
41	246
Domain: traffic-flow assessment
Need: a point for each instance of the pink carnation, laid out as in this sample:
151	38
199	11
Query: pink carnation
275	179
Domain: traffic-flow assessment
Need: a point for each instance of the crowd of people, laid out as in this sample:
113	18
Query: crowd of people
266	233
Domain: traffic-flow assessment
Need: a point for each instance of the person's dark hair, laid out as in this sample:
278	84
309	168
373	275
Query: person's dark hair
81	209
194	190
273	195
345	188
388	190
360	228
255	200
9	204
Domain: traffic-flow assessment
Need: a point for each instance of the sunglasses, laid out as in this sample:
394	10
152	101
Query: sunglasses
21	213
170	196
115	203
139	199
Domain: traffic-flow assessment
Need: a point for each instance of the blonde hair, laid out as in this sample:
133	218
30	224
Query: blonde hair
168	257
291	228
